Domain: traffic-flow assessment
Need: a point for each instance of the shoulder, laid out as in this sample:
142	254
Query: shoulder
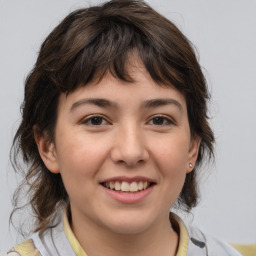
207	245
53	241
24	249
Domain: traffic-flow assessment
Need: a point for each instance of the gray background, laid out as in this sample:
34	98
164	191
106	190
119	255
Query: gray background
224	32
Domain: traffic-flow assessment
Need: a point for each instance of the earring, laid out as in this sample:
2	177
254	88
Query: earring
190	165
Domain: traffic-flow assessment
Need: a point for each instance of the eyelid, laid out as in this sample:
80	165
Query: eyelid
167	118
86	119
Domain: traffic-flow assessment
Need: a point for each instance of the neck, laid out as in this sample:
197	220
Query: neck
159	239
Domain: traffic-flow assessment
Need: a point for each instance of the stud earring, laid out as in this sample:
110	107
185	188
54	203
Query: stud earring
190	165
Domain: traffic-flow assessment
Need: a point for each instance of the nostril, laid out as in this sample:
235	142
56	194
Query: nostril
129	150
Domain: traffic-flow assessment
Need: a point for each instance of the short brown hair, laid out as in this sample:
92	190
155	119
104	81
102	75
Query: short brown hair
86	45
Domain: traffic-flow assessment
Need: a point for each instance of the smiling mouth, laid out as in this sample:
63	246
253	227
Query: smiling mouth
124	186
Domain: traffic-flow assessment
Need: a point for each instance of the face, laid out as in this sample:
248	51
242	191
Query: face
123	151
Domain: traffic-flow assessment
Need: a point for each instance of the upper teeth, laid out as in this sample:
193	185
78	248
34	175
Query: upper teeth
127	187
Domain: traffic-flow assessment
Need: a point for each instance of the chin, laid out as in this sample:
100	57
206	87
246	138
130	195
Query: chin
129	228
130	224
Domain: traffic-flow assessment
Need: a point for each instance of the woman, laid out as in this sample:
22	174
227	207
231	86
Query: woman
114	129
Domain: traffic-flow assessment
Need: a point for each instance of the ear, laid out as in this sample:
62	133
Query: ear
46	150
193	153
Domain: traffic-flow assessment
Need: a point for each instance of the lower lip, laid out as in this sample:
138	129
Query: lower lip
129	198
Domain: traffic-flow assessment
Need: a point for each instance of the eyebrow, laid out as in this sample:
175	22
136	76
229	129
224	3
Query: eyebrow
98	102
161	102
104	103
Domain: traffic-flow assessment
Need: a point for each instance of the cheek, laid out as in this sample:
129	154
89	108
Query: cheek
79	162
171	158
80	156
172	153
172	167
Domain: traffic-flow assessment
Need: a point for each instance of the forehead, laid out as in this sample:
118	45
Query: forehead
143	88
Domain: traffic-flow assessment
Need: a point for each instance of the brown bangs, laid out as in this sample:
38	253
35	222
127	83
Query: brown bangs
86	49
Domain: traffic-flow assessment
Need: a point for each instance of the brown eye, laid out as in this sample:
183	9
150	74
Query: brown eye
95	121
160	120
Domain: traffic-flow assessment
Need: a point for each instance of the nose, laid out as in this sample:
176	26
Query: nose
129	146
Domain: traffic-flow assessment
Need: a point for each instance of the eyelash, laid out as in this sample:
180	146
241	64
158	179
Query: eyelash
165	120
100	119
88	120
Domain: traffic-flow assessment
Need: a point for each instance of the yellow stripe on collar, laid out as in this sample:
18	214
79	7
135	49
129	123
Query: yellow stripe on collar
179	226
26	248
245	249
71	238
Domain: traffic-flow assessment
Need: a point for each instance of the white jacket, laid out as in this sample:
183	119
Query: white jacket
54	242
